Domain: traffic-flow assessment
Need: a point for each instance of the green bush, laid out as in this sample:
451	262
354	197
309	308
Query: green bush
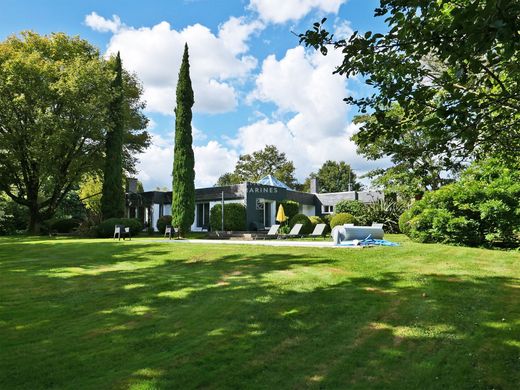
341	219
13	217
234	217
386	212
162	222
64	225
326	218
315	220
404	222
482	208
290	208
304	220
354	207
106	228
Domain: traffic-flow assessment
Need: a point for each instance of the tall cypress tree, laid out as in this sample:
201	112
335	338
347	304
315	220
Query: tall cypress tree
183	196
113	195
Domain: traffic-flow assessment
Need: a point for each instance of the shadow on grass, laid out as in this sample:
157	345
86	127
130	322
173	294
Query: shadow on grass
101	315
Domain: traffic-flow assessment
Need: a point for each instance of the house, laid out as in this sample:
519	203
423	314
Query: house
260	199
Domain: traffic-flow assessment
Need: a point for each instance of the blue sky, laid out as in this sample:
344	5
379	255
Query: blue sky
254	85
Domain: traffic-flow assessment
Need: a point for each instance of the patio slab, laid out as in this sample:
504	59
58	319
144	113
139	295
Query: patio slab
286	243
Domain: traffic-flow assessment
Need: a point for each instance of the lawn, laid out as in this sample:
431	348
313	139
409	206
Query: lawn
96	314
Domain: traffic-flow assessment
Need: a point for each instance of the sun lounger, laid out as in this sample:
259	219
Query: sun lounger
295	232
272	233
318	230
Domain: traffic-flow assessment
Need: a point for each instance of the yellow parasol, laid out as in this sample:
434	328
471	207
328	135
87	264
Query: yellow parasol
280	216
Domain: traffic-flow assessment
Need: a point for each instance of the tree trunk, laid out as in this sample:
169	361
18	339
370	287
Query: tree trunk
35	221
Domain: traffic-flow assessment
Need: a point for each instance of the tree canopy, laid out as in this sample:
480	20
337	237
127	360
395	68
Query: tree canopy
334	176
451	67
252	167
54	96
416	168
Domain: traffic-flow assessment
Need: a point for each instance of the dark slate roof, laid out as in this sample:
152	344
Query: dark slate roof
301	197
236	191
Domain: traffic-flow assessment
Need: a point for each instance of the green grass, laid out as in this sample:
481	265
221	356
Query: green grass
96	314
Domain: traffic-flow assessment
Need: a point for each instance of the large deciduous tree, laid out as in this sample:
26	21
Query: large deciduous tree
252	167
183	195
417	167
334	176
451	66
113	194
54	104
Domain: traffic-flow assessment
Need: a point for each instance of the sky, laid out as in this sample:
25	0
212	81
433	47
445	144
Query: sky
254	85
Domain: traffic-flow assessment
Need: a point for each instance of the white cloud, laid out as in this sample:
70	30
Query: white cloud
101	24
211	161
343	29
310	96
236	31
302	83
217	62
276	11
156	163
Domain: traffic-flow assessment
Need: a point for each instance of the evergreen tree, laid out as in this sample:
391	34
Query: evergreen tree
183	196
113	196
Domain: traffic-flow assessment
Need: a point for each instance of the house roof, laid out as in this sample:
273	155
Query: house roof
270	180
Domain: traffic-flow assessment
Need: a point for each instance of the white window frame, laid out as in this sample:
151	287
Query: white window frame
327	209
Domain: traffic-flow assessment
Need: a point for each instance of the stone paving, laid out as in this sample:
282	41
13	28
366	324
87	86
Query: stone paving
286	243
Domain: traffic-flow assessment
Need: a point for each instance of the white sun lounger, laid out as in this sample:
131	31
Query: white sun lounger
295	231
272	233
318	230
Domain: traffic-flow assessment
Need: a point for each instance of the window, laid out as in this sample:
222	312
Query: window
328	209
202	215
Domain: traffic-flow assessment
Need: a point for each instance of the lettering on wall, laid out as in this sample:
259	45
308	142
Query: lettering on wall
263	190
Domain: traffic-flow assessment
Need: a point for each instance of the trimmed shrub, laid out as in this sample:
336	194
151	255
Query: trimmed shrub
482	208
326	218
354	207
307	227
290	208
162	222
341	219
106	228
315	220
234	217
65	225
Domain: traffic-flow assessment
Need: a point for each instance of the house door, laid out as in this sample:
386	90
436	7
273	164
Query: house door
267	214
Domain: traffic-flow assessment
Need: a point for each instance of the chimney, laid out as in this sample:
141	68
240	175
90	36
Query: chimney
314	187
131	184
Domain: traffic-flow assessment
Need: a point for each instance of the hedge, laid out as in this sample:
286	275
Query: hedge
354	207
290	208
234	217
107	227
341	219
64	225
